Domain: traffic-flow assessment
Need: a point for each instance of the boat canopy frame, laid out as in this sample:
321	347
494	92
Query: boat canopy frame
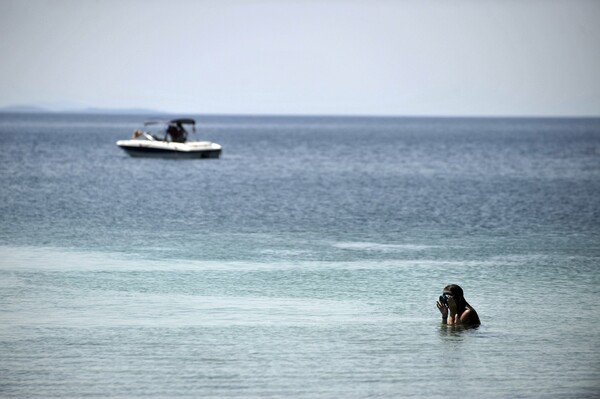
179	121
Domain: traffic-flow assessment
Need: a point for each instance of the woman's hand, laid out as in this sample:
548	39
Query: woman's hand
443	309
452	306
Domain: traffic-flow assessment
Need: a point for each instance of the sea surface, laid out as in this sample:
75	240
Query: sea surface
304	263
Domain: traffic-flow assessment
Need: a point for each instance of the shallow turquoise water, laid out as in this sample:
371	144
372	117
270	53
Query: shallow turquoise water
304	263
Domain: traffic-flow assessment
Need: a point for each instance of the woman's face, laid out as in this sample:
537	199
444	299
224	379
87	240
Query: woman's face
450	297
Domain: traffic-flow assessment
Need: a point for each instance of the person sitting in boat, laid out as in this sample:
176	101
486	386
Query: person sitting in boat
177	132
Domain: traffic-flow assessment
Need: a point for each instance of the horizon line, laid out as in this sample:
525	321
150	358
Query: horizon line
34	109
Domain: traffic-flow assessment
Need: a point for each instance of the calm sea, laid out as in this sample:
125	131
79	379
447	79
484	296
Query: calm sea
305	263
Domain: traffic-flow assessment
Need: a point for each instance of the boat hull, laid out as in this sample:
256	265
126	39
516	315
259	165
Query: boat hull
162	149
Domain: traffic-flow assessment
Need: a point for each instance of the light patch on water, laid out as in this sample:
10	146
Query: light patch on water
114	309
45	258
63	260
371	246
59	259
283	252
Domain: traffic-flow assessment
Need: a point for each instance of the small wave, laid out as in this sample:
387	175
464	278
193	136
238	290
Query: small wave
283	252
371	246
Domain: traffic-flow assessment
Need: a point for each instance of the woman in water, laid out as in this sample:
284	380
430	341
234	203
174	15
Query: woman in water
461	312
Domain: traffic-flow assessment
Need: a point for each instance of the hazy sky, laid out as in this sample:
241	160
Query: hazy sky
420	57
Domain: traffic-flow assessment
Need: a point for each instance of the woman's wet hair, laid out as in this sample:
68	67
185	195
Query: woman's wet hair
455	290
457	293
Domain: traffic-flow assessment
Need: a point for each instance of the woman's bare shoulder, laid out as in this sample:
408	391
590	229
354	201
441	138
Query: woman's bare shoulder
470	316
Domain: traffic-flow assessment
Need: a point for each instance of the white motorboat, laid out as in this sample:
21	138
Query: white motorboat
170	142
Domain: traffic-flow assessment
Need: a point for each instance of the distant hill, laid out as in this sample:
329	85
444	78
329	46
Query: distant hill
24	109
36	109
117	111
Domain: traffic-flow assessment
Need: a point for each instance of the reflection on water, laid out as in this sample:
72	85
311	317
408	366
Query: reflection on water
457	330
